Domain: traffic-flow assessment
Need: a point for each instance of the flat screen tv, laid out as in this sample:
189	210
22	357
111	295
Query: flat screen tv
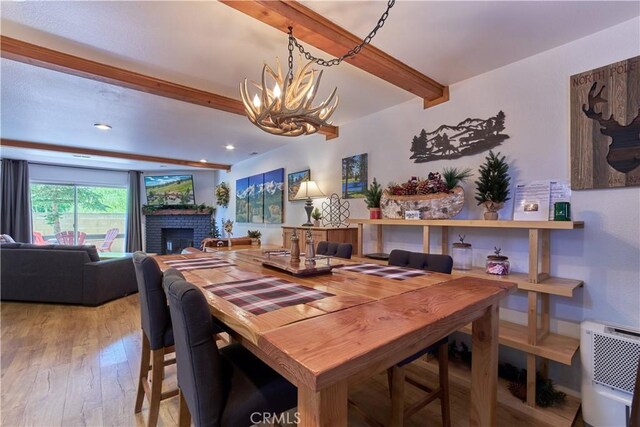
170	190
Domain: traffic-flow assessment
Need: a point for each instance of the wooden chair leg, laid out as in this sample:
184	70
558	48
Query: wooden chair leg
157	372
144	372
390	381
184	416
443	373
397	396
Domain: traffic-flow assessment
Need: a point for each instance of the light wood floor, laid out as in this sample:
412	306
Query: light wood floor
76	366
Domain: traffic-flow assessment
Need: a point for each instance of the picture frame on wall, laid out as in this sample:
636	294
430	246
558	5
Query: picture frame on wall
256	199
273	189
242	200
294	179
354	176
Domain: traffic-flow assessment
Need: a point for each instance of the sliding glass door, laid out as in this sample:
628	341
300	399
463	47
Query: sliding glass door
79	214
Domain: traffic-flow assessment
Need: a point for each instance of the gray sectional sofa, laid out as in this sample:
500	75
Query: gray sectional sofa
63	274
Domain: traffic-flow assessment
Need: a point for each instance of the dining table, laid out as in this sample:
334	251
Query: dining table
323	332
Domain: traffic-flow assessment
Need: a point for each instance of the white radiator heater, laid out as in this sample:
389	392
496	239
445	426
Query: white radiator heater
609	355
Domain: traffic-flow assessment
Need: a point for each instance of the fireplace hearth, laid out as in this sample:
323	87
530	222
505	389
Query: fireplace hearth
186	230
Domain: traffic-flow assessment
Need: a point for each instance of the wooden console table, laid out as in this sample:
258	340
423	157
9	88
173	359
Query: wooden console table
328	234
534	338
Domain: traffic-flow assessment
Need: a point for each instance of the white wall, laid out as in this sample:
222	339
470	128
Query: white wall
534	94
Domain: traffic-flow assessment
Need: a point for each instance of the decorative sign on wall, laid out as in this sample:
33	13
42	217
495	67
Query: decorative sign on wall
335	212
470	136
354	176
605	126
295	179
260	198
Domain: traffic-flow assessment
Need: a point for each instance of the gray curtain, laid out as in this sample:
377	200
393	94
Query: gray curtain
134	214
15	210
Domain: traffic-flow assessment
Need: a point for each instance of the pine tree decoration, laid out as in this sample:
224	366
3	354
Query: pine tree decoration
492	188
215	231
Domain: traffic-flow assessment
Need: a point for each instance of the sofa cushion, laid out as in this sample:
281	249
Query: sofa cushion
91	250
5	238
10	245
34	246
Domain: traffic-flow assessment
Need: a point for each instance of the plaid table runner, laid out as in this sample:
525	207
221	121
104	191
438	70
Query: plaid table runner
198	263
386	271
265	293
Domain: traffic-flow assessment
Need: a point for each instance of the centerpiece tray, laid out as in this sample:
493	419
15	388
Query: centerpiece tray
322	265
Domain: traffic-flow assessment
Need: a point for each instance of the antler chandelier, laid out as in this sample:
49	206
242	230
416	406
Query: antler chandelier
288	108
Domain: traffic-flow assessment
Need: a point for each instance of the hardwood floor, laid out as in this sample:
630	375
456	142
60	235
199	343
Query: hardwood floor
66	365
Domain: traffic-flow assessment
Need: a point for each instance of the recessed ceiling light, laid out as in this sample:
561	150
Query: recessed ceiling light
101	126
203	160
229	147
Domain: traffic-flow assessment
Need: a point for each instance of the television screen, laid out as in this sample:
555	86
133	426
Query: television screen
170	190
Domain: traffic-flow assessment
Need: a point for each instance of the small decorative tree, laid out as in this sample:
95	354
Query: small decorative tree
372	198
492	187
215	231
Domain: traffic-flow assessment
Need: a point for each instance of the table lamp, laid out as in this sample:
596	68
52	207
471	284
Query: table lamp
308	190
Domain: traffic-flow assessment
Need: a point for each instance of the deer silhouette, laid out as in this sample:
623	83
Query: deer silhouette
624	150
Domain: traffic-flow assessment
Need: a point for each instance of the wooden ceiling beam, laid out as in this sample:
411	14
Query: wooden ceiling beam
314	29
21	51
114	154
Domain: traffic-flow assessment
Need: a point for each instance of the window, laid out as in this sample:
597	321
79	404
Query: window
79	214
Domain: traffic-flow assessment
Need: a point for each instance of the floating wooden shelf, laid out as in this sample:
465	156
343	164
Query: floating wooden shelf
552	285
554	347
475	223
560	416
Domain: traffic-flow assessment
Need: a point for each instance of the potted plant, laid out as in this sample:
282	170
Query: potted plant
372	198
492	187
317	216
435	197
255	237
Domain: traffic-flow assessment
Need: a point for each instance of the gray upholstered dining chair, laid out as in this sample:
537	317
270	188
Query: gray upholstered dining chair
340	250
397	374
218	387
157	335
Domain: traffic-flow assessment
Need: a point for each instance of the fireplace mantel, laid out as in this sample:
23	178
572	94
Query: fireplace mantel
177	212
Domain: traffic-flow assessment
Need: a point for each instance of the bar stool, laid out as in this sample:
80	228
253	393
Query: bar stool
397	375
157	336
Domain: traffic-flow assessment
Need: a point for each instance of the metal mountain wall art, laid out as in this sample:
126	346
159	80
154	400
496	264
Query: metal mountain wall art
470	136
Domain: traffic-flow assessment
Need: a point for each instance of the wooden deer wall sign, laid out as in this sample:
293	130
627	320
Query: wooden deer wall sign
605	126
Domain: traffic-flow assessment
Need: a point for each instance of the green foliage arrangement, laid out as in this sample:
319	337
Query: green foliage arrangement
453	177
222	194
316	214
254	234
493	183
202	208
546	393
373	194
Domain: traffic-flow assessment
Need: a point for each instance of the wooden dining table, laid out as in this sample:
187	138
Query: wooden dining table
368	325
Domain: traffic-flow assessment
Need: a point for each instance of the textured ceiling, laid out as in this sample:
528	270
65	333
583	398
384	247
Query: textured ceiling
210	46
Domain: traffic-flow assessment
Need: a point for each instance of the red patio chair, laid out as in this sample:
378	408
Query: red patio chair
109	237
66	237
38	239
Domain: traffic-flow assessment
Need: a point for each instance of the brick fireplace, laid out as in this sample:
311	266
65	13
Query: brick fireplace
175	231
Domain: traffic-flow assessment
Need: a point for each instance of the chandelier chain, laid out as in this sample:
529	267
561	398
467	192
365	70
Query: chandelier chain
335	61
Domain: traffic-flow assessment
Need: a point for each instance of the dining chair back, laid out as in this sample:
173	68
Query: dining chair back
109	237
397	375
67	238
340	250
38	239
218	387
157	335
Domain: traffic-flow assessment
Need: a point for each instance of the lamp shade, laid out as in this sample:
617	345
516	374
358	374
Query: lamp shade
308	189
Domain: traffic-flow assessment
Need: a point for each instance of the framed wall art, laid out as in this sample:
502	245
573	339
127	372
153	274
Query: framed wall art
294	180
256	199
242	200
605	126
274	196
354	176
